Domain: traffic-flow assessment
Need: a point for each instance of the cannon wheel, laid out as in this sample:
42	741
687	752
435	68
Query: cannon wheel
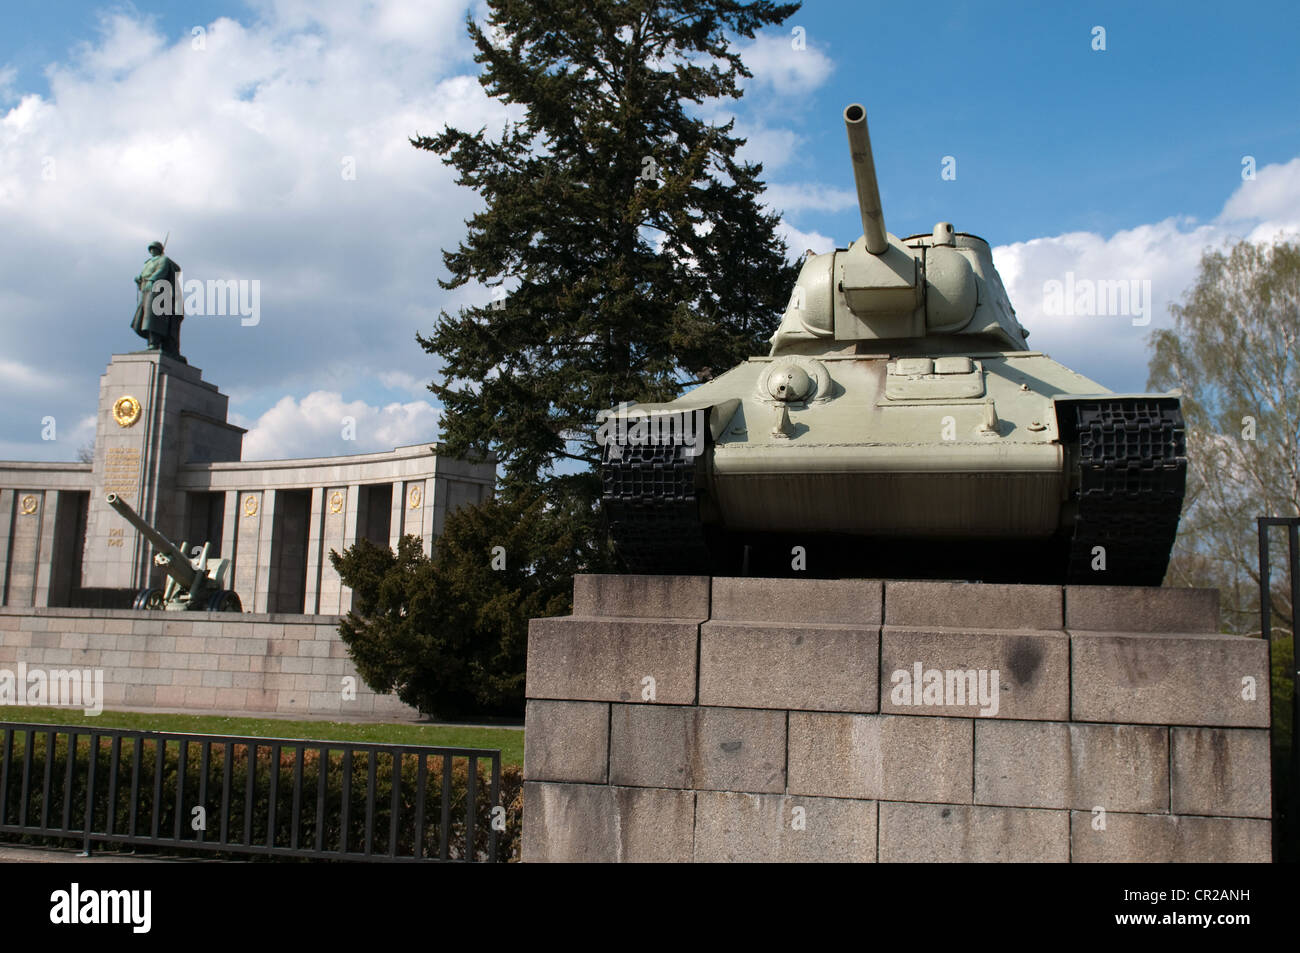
225	600
148	599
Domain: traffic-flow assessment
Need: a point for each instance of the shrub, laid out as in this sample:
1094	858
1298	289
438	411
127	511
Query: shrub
449	633
249	822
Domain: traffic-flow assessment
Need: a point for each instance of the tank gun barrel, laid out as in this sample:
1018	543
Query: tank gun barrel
178	565
864	176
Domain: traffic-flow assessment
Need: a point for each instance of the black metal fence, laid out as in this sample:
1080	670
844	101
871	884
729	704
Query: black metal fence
269	796
1286	780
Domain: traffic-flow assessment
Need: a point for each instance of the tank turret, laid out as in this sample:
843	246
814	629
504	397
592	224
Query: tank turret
885	289
899	427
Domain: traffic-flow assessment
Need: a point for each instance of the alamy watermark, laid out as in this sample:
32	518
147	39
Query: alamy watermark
133	908
951	687
216	297
1086	297
630	426
57	688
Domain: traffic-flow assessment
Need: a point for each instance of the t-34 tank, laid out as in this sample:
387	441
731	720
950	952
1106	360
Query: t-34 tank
900	426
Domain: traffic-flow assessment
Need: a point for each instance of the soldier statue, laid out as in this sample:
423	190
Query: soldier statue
160	308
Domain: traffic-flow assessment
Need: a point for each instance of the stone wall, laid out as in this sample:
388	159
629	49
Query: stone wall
683	718
198	661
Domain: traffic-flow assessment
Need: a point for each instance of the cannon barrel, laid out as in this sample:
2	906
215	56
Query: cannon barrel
864	176
178	565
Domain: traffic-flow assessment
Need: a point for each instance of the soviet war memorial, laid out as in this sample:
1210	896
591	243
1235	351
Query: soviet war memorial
648	432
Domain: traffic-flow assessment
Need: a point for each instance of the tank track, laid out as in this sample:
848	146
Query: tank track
650	497
1131	472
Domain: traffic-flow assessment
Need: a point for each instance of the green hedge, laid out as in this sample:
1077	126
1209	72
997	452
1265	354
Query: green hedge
258	817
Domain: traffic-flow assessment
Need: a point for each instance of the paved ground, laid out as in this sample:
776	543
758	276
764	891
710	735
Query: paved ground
12	854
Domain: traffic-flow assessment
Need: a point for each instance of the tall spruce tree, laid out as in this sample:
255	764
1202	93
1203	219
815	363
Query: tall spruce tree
627	251
635	260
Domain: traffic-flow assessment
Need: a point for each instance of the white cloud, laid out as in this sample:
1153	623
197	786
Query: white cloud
808	197
779	66
401	380
797	242
782	74
1111	348
773	147
28	378
316	426
82	433
1270	203
125	43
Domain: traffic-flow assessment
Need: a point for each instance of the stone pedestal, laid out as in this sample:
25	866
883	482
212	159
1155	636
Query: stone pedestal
155	413
696	719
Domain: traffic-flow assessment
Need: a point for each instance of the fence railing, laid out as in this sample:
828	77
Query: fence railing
271	796
1286	803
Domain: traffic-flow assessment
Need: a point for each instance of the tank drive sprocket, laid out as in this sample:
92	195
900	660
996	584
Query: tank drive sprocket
651	500
1131	471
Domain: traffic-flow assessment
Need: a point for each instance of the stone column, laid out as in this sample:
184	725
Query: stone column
417	505
248	537
350	524
45	547
398	515
266	556
435	514
28	514
333	536
315	527
230	529
6	528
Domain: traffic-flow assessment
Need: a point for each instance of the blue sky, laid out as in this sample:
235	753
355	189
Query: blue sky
1122	163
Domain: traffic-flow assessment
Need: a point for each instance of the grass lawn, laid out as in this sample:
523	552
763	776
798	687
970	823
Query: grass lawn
509	740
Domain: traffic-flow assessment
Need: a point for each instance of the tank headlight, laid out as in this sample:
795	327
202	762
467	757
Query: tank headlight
789	382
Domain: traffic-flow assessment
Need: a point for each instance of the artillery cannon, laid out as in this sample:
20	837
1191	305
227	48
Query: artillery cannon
901	427
197	583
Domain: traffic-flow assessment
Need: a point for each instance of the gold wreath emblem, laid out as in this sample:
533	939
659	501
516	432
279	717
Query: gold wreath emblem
126	411
415	497
29	505
336	503
250	506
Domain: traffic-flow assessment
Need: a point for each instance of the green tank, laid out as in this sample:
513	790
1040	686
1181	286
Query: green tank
900	426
